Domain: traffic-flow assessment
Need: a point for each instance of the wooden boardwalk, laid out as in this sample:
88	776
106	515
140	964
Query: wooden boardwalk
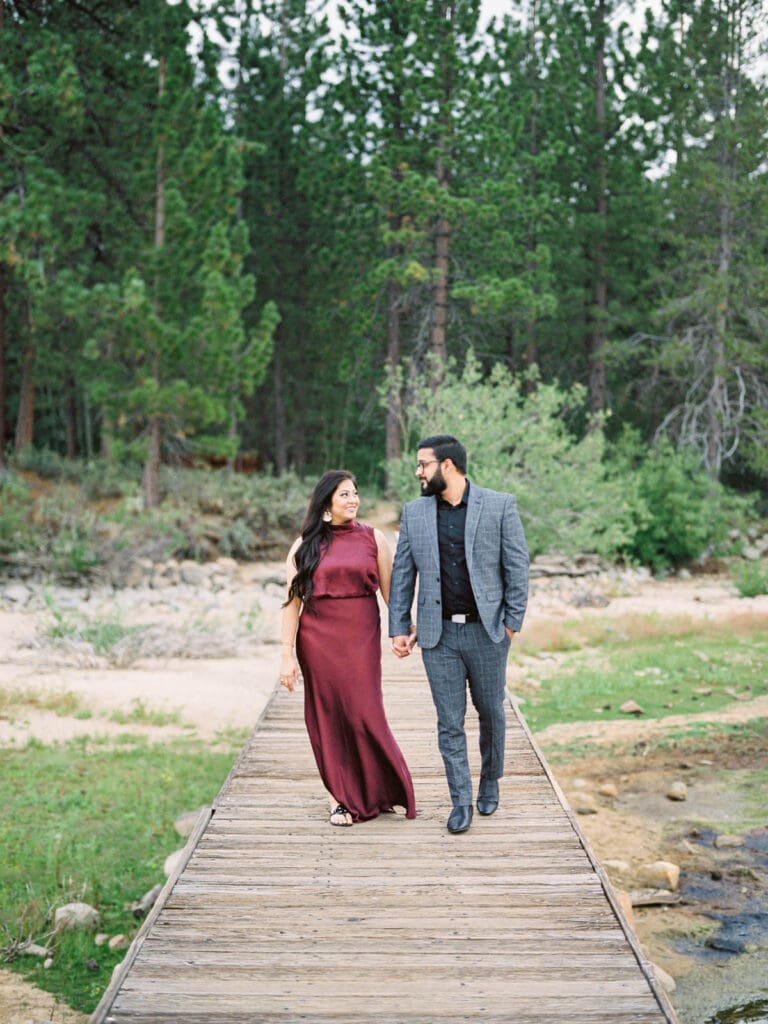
275	916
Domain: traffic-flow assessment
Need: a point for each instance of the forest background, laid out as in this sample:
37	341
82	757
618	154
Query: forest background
285	235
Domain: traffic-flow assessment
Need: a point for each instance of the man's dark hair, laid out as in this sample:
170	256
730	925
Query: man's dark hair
445	446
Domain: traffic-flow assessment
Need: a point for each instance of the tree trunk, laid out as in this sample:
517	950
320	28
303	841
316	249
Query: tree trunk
150	481
281	429
531	325
438	337
596	338
70	417
393	441
151	475
25	420
3	373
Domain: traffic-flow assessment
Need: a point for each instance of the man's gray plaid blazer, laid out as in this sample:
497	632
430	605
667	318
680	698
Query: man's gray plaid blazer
497	559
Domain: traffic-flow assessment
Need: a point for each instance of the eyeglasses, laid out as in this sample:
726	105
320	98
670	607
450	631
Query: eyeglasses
421	466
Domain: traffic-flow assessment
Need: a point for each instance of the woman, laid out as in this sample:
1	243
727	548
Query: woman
332	614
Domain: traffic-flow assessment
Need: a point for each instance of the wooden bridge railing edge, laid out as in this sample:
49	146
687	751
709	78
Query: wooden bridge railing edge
643	962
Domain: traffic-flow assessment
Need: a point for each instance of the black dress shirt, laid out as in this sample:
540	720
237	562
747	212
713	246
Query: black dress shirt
454	576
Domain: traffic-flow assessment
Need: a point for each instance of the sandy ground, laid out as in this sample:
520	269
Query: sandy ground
204	696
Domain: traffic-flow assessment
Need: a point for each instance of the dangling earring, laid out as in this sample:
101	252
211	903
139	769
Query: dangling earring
327	517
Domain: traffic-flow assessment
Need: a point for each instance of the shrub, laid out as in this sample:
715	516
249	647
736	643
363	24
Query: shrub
751	579
684	512
14	507
520	442
47	464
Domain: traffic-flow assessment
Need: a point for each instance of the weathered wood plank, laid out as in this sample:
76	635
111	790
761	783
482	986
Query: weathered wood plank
276	917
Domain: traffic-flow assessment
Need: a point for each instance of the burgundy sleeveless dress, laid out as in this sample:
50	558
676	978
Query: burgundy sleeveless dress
339	650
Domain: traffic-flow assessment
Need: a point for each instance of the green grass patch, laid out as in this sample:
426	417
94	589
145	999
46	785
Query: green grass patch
92	821
62	703
665	675
140	714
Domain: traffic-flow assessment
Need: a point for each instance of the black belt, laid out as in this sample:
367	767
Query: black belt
462	617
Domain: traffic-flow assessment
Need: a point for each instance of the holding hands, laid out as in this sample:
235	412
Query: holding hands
403	645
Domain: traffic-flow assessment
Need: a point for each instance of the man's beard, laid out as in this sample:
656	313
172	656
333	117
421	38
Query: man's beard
434	486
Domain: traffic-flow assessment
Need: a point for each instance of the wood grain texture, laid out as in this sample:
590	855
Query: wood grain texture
278	917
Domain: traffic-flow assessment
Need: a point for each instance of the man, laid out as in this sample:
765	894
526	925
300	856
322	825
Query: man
467	547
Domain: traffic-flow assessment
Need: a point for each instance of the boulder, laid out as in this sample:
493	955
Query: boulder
661	874
616	867
119	942
187	821
75	917
16	593
193	574
172	861
608	789
677	791
631	707
583	803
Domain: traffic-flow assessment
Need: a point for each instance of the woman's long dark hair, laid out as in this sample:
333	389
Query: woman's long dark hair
315	534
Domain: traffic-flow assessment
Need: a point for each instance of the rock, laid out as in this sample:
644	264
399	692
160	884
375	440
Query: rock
608	789
101	939
630	707
141	907
186	822
661	874
119	942
579	783
48	964
589	600
229	565
172	862
677	791
616	867
724	841
193	574
32	949
16	593
666	981
683	574
92	965
583	803
76	916
750	552
159	582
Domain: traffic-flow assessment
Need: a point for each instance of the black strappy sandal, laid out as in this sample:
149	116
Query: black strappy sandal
340	809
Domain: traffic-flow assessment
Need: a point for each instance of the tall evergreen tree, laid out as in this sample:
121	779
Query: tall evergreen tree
708	350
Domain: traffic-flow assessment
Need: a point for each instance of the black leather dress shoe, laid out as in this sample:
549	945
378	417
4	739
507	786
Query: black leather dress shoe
488	796
460	818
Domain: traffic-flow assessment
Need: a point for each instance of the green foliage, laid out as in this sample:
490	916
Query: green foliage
519	441
95	822
14	505
46	464
751	579
682	513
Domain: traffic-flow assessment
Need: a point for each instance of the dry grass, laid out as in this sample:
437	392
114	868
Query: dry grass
61	703
577	634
